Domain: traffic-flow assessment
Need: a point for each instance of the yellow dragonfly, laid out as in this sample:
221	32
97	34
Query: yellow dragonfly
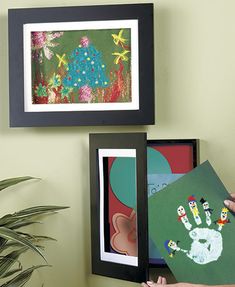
120	56
61	60
118	38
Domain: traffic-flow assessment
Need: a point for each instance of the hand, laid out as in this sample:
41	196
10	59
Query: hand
230	203
160	281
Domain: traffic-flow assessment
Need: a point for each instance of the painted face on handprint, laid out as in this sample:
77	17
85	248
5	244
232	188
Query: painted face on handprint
223	219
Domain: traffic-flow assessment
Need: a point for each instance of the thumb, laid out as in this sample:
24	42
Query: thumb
230	204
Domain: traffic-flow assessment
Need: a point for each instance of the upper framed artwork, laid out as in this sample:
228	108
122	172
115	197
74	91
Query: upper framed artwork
84	65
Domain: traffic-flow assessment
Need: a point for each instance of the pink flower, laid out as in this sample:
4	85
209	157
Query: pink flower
43	40
124	240
85	94
38	39
84	41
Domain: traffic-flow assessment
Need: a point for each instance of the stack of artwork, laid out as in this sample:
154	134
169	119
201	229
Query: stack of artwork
164	167
119	222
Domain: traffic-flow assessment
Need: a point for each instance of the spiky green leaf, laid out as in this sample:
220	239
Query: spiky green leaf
29	214
14	236
12	181
36	210
35	240
21	279
12	272
3	241
8	260
21	223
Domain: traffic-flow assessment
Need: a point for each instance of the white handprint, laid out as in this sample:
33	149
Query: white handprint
207	244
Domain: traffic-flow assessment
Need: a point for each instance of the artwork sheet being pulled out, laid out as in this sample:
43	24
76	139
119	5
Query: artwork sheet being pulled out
192	228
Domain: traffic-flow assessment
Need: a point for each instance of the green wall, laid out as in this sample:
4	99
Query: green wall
195	98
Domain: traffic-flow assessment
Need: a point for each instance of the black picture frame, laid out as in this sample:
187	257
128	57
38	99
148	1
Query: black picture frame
136	141
143	115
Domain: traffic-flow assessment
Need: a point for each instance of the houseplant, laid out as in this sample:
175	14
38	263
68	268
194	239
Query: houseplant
14	241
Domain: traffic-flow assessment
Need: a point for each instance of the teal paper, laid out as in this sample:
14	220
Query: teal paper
190	263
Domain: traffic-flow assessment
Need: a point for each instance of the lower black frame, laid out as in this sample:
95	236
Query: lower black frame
138	142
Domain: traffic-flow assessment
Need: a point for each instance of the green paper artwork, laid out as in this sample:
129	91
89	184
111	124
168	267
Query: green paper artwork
193	230
86	66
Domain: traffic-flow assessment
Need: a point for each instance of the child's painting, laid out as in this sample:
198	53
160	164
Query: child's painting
81	66
192	228
118	204
122	205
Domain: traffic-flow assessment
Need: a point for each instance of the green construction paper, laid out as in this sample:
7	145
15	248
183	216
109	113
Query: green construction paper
202	182
123	180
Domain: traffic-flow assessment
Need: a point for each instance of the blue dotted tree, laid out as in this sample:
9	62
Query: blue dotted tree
86	70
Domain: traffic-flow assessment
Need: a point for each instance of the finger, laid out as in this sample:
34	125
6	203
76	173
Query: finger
159	280
144	285
151	283
233	195
164	281
230	205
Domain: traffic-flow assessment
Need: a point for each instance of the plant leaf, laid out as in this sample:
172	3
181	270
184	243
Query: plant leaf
21	223
11	272
29	213
11	258
35	240
21	279
12	181
12	235
3	242
36	210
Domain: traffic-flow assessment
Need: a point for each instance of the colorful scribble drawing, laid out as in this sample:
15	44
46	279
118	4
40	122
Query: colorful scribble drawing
41	44
90	66
207	244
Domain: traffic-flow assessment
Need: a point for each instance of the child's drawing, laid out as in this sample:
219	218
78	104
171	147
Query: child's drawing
207	244
81	66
